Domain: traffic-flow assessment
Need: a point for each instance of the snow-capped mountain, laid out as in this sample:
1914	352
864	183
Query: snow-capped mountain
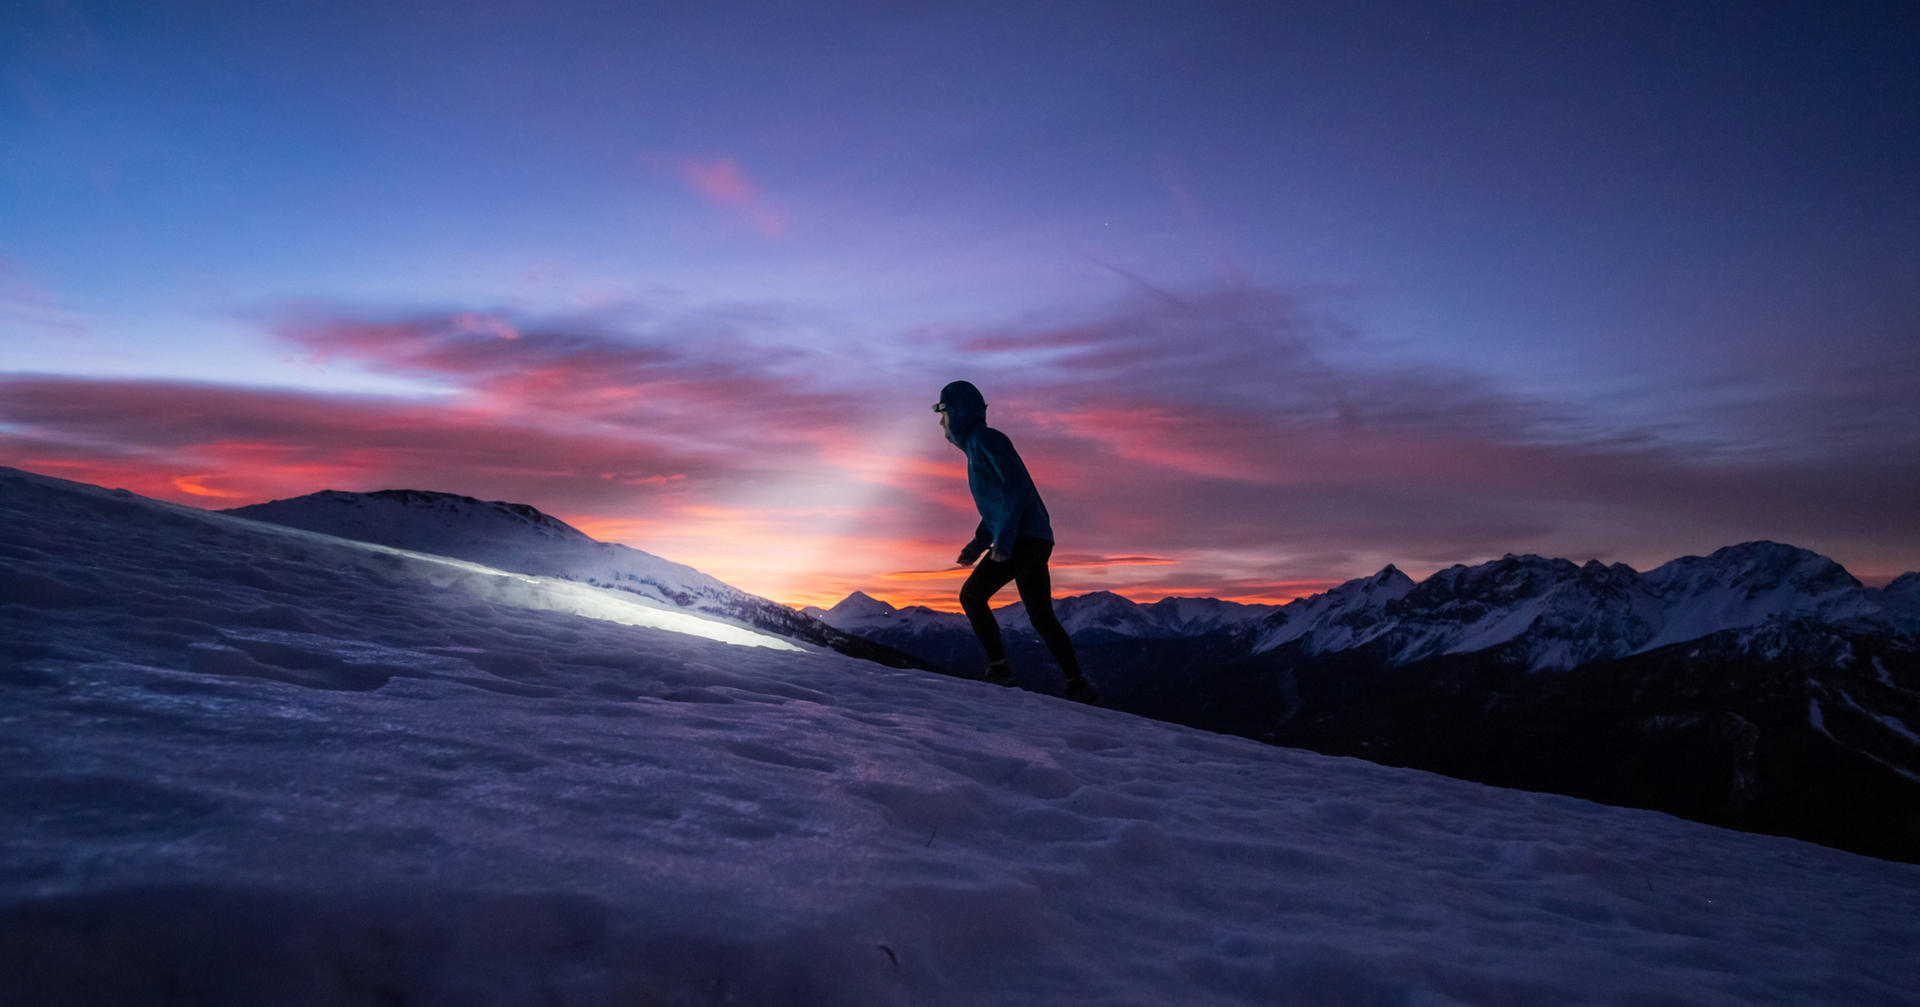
1551	613
862	613
252	765
1106	612
1905	587
855	609
507	536
1901	597
1751	585
1336	619
1544	613
1541	613
1198	616
1098	612
519	538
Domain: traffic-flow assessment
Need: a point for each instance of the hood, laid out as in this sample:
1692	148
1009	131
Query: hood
966	409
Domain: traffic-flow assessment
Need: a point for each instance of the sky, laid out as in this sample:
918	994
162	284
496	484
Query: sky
1267	295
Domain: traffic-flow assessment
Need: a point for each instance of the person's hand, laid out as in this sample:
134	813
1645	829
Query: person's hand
967	556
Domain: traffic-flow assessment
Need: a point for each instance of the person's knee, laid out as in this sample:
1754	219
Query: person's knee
971	599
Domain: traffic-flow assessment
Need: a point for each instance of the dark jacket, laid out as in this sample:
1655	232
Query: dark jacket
1010	507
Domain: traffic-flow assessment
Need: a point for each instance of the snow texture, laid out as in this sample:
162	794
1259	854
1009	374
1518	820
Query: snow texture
244	765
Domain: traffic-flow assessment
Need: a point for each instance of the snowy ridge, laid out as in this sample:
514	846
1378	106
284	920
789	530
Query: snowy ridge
519	538
1196	616
1336	619
503	535
426	521
1547	613
1901	598
1554	614
1749	585
863	613
1100	611
250	766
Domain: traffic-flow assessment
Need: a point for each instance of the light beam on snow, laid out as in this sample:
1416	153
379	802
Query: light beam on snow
550	594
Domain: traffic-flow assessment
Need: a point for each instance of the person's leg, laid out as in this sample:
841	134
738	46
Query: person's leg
1036	590
986	578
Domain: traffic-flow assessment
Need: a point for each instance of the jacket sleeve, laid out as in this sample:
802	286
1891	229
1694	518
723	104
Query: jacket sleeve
982	537
1015	487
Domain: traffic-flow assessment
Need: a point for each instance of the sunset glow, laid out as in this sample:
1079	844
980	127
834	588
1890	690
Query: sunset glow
1267	299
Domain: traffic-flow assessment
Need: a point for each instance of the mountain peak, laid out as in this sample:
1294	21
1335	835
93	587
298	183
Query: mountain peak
860	604
1388	575
1758	563
1388	584
1764	550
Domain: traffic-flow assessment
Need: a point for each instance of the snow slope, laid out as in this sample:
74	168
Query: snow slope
244	765
516	537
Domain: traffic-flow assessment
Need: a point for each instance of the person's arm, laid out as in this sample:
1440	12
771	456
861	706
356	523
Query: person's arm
1015	487
982	537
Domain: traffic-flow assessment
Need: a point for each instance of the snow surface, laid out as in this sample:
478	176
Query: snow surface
245	766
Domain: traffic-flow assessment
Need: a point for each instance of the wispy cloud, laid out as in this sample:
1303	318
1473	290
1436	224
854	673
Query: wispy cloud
1228	443
722	182
1238	418
169	438
29	306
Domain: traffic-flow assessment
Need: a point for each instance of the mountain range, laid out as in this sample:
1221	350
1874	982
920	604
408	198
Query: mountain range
1550	614
1761	687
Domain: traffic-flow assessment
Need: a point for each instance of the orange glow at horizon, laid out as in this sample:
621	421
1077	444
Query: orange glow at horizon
947	599
192	484
757	549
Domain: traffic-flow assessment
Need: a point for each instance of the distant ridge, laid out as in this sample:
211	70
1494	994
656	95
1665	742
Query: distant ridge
1760	687
523	539
1548	613
394	517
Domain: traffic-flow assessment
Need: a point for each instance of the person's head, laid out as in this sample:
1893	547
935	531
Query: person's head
961	408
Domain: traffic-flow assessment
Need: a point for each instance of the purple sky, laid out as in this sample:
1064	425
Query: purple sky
1269	295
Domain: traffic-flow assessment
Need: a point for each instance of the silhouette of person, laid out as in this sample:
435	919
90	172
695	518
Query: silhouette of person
1015	533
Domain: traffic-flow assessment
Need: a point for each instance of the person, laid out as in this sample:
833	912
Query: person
1015	533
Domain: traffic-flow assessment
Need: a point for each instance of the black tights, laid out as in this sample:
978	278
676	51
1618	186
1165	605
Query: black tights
1027	570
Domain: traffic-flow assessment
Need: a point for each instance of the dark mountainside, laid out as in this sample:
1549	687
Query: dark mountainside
1799	720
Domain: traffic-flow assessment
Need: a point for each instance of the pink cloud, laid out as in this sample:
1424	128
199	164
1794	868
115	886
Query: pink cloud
1222	422
187	442
1197	446
720	180
724	183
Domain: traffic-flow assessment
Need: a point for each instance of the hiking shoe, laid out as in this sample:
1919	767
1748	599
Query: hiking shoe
998	673
1081	691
